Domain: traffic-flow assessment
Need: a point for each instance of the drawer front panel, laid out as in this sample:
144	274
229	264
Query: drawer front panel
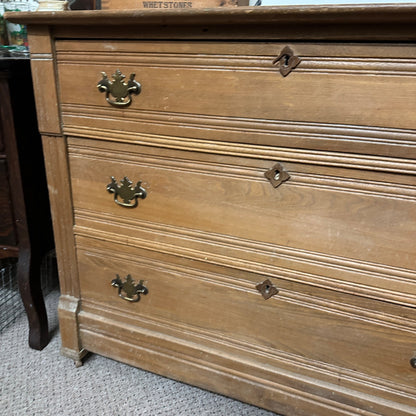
218	306
333	229
334	99
7	230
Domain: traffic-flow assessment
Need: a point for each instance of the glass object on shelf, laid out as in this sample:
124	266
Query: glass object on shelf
3	31
14	51
17	33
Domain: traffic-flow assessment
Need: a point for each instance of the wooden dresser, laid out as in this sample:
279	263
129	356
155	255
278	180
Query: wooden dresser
234	197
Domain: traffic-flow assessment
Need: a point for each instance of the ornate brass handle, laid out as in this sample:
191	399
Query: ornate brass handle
128	193
120	90
267	289
129	290
277	175
287	61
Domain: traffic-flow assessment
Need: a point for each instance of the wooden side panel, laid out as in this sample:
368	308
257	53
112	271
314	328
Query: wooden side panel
56	165
57	172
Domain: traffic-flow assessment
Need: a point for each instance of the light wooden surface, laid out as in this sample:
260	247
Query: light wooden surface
214	114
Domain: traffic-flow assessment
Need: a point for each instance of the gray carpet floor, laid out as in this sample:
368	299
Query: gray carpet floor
43	383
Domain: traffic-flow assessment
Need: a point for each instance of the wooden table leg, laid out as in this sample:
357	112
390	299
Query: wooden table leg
28	277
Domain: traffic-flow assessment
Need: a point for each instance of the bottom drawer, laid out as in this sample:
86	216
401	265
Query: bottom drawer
361	339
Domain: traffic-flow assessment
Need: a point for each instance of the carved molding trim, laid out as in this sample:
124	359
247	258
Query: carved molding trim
335	64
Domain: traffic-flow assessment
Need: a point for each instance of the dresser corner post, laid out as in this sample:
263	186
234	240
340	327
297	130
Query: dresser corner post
54	143
44	81
71	347
57	173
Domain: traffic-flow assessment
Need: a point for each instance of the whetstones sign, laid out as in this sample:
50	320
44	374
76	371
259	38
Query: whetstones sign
163	4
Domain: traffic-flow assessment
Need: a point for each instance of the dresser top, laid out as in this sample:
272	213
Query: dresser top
370	13
371	22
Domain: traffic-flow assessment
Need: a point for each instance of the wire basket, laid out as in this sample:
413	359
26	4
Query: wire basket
11	306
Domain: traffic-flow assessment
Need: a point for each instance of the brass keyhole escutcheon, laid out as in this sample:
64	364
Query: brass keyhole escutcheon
267	289
277	175
287	61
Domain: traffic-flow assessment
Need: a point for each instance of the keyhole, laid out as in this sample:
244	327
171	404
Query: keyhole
276	176
285	60
267	289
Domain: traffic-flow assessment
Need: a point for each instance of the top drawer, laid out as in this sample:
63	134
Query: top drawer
335	99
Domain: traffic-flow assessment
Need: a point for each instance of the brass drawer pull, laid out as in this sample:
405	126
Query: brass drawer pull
129	290
118	89
277	175
126	192
287	61
413	361
267	289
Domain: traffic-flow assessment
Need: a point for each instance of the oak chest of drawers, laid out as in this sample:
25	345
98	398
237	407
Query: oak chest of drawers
233	194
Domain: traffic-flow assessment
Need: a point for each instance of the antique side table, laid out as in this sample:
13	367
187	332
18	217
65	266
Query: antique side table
25	226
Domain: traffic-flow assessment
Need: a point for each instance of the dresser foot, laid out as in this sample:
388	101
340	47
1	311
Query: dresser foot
76	356
68	321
